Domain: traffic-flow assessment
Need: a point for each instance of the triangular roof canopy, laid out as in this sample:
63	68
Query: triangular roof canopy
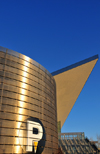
69	83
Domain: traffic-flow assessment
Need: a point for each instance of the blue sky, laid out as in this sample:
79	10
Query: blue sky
56	34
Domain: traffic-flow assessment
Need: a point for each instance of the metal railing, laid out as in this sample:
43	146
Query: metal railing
77	135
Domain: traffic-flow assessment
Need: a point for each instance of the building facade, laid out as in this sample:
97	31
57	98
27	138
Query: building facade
28	114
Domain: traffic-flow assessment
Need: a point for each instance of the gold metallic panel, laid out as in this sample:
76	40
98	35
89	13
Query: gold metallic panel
11	66
27	89
14	77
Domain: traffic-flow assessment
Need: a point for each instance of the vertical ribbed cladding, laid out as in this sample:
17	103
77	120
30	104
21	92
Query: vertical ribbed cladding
27	90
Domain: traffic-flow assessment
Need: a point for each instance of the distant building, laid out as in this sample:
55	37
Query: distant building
71	143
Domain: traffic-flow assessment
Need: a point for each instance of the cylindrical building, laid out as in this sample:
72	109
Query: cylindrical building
28	114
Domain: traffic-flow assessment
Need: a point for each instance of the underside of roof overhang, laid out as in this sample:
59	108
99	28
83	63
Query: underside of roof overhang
69	83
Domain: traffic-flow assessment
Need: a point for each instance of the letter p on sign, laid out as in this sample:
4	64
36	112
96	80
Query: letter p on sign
33	138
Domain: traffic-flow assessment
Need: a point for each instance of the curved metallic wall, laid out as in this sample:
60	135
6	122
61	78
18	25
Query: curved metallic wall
27	89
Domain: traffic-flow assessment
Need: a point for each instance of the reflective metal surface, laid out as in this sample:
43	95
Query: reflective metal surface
27	89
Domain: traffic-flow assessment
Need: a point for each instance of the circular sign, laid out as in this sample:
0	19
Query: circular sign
32	136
